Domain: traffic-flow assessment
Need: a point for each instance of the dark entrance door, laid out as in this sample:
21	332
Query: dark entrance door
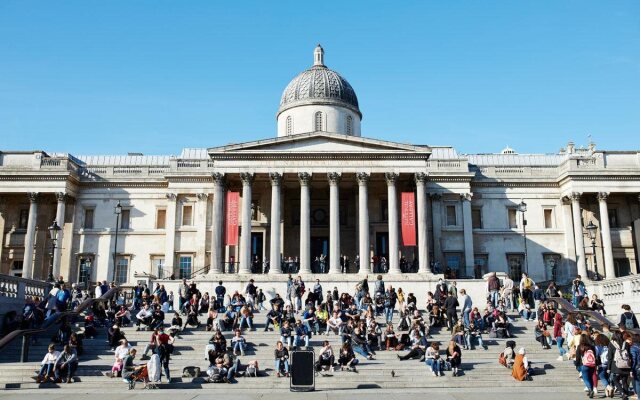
382	250
319	247
257	252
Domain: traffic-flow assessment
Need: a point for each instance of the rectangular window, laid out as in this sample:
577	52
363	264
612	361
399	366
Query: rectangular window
480	265
613	219
453	262
185	267
161	218
157	267
125	217
122	269
84	272
513	218
476	218
187	215
548	218
16	268
515	262
451	216
622	267
24	219
88	218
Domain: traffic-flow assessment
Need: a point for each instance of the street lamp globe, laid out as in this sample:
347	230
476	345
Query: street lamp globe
54	229
592	230
117	209
522	207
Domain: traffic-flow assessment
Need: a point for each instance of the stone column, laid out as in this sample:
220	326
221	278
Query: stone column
30	237
3	217
469	257
605	231
57	254
274	248
423	232
201	230
436	221
392	211
245	235
305	223
217	225
363	222
334	222
577	233
570	243
170	233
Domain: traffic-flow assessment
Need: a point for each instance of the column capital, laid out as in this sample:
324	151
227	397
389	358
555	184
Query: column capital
275	178
218	178
334	178
172	196
603	196
33	196
575	196
304	178
203	196
420	177
363	178
391	178
466	196
61	197
247	178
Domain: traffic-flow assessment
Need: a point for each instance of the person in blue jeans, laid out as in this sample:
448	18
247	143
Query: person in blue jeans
238	343
557	333
473	334
635	364
48	364
588	367
602	352
302	334
281	360
433	359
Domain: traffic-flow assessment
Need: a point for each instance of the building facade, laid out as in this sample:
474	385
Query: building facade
315	194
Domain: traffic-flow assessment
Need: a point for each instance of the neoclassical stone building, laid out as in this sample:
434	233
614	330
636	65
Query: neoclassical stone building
320	189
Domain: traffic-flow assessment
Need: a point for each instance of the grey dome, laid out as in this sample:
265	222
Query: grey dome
319	85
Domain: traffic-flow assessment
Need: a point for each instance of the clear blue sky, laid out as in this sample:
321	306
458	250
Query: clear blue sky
102	77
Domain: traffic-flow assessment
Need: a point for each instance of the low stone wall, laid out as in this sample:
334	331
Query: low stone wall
418	284
14	292
616	292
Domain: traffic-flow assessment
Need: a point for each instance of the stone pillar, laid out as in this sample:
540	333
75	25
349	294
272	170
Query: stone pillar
305	223
363	222
3	217
423	232
436	222
577	233
201	230
570	244
392	211
245	234
605	231
469	257
57	254
30	237
217	225
274	248
334	222
170	234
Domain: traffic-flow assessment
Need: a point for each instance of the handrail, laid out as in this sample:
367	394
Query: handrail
58	316
568	306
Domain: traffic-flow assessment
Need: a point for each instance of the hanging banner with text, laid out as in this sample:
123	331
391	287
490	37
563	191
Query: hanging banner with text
231	217
408	218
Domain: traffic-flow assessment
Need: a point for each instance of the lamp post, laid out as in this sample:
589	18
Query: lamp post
54	229
592	231
522	207
117	211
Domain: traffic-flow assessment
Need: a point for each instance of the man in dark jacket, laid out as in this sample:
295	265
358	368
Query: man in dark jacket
451	305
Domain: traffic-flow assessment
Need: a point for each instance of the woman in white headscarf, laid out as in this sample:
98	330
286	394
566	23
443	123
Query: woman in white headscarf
521	368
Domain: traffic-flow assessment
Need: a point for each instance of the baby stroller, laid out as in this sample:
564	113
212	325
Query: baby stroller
139	376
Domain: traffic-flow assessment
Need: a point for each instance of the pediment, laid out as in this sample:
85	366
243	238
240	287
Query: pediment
320	143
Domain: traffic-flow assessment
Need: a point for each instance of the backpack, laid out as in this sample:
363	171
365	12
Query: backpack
502	360
589	359
604	356
621	357
628	320
252	369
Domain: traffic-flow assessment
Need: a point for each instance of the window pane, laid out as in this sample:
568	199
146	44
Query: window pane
24	219
122	270
161	218
515	266
513	218
124	219
88	218
185	267
476	218
548	218
84	273
187	212
451	216
157	267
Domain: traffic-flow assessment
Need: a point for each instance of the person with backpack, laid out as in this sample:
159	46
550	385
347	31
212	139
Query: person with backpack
619	362
588	367
635	364
602	357
628	318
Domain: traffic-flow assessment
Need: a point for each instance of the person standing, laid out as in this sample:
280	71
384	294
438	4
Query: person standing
451	307
507	293
493	289
526	288
467	306
578	291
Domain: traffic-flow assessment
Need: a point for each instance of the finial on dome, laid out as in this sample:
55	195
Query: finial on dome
318	55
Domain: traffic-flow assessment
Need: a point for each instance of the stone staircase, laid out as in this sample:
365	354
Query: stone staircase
480	368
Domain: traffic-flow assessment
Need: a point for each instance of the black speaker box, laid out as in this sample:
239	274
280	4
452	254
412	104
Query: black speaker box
303	375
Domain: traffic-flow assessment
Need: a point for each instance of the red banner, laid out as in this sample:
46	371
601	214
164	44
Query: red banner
408	210
231	217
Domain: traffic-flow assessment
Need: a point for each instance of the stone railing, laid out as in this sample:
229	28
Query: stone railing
616	292
12	287
515	171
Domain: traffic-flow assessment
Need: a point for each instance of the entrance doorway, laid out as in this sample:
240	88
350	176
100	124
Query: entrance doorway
319	247
382	250
257	252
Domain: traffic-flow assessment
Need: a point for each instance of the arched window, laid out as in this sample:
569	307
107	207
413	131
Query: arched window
318	121
349	125
289	125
